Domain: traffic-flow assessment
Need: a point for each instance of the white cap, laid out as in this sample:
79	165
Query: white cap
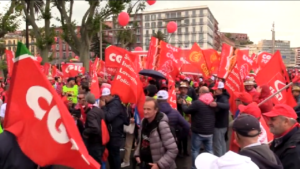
105	92
212	77
200	79
162	95
221	85
230	160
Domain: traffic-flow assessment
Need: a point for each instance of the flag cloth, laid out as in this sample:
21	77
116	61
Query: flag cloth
36	115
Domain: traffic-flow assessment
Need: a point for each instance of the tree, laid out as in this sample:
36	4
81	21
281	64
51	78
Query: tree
160	36
9	20
127	37
90	23
44	36
95	46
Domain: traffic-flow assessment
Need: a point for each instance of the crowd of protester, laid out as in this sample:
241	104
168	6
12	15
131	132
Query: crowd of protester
260	134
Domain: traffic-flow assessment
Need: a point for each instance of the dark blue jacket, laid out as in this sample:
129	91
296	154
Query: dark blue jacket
114	118
175	118
11	155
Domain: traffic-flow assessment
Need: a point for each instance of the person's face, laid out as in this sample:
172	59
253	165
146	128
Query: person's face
72	82
249	87
277	125
296	93
177	90
218	92
59	80
149	109
81	99
238	102
183	90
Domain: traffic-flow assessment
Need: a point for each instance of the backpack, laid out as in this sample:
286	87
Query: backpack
173	131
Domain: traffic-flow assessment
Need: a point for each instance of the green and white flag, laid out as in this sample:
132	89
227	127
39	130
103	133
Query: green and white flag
22	52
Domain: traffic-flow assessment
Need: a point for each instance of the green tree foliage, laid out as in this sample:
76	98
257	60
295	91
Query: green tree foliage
9	19
95	46
90	23
37	10
160	36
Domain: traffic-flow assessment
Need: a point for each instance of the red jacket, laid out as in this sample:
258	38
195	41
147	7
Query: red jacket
268	105
254	94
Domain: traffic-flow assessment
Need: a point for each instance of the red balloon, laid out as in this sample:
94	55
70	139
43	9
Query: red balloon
76	57
39	59
55	39
171	27
138	48
123	18
151	2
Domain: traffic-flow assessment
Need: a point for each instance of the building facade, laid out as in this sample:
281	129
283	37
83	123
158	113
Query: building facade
287	54
297	55
194	24
225	39
11	41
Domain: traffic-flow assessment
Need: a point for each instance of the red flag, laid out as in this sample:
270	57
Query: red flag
152	55
47	68
9	61
113	56
274	75
262	59
213	59
244	64
44	128
169	59
172	93
71	70
127	80
187	67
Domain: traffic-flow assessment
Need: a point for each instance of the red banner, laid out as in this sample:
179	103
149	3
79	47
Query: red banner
152	55
44	128
172	93
244	64
213	59
187	67
262	59
72	70
113	56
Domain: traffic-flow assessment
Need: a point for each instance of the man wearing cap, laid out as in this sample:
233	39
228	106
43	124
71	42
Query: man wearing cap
71	90
296	94
221	104
247	130
92	131
176	121
286	130
249	87
183	97
203	122
114	117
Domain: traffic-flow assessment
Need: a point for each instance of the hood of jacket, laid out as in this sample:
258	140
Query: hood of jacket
206	98
265	92
165	107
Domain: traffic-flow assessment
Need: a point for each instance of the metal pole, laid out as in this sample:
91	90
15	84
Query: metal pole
268	98
100	40
273	39
27	27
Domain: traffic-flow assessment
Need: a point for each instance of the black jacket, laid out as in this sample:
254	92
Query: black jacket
114	117
222	111
11	155
93	125
287	148
192	93
203	117
262	156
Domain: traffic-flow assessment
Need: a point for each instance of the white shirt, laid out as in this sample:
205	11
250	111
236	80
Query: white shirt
2	111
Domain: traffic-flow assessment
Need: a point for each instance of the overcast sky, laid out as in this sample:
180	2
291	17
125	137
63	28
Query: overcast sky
252	17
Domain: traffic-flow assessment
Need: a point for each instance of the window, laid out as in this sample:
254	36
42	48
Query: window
32	48
57	46
153	17
57	55
194	21
138	39
186	21
159	15
153	24
138	31
186	29
159	24
194	13
178	14
153	31
9	42
201	20
14	42
147	17
64	47
180	38
201	37
147	25
173	14
15	48
201	28
201	12
70	54
147	32
193	39
57	32
187	38
194	29
70	48
9	48
179	30
186	13
64	55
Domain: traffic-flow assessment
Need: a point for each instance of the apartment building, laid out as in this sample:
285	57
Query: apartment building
195	24
287	54
297	55
11	41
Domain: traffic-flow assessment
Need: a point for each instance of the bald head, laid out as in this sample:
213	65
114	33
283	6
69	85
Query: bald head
203	90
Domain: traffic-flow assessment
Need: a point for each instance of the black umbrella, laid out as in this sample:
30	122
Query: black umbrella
152	73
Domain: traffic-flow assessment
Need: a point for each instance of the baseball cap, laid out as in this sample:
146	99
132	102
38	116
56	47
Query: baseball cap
212	78
229	160
218	85
162	95
105	92
245	123
245	97
251	109
282	110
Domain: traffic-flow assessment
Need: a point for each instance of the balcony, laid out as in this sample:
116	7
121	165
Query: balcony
161	26
147	35
180	33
